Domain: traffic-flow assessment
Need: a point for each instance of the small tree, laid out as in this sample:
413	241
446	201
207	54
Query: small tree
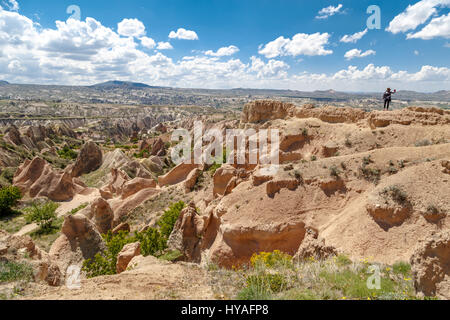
43	214
8	199
169	218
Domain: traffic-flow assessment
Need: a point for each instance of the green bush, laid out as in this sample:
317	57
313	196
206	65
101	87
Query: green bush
67	153
8	174
8	199
104	263
169	218
142	154
152	242
42	214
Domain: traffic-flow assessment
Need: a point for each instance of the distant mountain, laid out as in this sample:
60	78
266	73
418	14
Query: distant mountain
120	85
3	83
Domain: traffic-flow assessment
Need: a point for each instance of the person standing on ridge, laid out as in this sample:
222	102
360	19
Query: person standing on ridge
388	98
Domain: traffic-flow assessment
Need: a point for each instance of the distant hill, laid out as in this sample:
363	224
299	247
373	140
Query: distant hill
3	83
120	84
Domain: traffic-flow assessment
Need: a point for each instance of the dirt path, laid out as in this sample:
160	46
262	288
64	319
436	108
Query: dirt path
152	279
87	196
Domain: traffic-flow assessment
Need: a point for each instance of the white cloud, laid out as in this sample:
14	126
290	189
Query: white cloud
416	52
12	5
415	15
329	11
222	52
354	37
438	27
183	34
356	53
301	44
273	68
86	52
147	42
131	28
164	46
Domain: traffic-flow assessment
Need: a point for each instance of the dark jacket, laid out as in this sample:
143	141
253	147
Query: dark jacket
387	96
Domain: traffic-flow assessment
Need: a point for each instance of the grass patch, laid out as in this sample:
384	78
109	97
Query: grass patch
276	276
171	255
11	271
78	209
13	222
402	268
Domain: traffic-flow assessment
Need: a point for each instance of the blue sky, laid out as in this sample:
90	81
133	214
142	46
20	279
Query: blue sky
281	44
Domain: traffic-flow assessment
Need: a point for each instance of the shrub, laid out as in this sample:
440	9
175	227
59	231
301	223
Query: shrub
104	263
76	210
423	143
298	176
152	242
397	194
143	154
169	218
433	209
8	199
348	142
8	174
271	259
335	172
67	153
214	168
305	132
402	268
171	255
367	160
42	214
370	174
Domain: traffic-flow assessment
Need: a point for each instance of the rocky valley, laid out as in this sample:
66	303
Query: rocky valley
105	213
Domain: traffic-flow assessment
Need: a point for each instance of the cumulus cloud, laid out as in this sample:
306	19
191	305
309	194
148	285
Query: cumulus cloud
438	27
415	15
222	52
273	68
86	52
356	53
327	12
12	5
131	28
147	42
183	34
164	46
353	38
301	44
